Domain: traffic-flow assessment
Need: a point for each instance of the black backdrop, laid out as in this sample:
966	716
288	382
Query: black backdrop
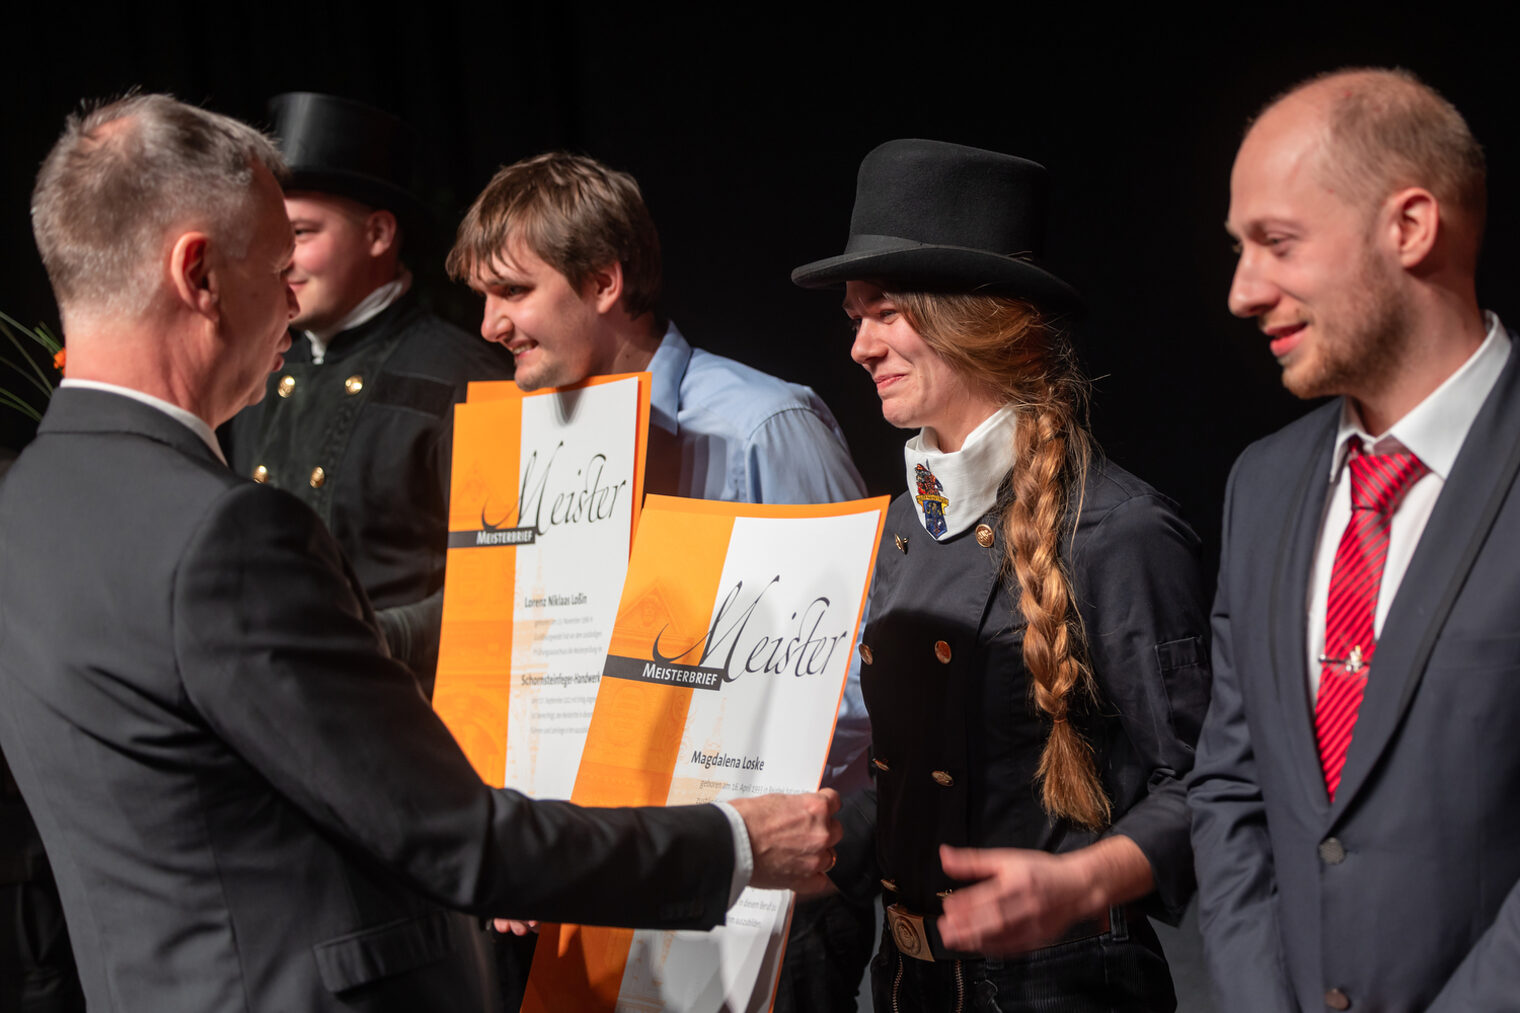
745	127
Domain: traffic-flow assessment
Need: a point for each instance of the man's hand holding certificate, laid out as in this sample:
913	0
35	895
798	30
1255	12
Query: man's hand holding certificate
723	675
792	838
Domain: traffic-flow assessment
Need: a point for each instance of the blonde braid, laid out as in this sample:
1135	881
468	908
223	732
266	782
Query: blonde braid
1016	355
1033	524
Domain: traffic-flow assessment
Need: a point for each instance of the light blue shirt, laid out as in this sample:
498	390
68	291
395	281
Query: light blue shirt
722	430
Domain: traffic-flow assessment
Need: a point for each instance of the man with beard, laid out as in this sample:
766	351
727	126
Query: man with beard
1357	837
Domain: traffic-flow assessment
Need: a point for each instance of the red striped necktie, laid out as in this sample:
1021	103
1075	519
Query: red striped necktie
1378	484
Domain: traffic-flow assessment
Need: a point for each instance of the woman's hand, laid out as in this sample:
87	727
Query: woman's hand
1022	899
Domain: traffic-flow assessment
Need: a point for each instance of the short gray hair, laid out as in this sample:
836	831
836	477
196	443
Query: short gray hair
121	175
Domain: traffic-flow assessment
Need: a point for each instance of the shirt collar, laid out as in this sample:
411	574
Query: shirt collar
954	491
189	420
1434	429
667	369
370	307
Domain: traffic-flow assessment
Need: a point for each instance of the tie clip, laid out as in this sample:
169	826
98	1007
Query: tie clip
1353	663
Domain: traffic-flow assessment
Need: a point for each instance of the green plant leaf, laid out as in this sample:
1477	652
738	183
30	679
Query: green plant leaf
6	322
12	401
28	368
45	389
40	334
49	341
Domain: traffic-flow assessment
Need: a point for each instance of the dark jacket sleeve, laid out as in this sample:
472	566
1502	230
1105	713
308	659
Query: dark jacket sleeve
1237	883
1137	574
278	652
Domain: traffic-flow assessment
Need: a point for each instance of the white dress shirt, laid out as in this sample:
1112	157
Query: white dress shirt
1433	431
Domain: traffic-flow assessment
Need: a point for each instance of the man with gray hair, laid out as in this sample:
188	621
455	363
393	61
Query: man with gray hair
248	805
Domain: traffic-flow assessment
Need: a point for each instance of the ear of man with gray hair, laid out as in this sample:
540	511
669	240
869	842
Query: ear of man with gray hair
120	176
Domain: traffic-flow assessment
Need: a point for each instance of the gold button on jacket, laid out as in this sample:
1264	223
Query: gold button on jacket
377	414
948	693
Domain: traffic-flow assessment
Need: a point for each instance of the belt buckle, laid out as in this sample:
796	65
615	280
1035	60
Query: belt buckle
908	933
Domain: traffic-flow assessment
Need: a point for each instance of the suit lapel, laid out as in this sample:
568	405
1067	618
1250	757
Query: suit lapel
1288	606
80	410
1480	481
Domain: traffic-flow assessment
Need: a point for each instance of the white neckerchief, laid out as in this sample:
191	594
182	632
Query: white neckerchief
954	491
370	307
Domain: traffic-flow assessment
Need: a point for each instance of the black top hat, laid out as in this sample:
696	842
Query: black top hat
947	217
336	145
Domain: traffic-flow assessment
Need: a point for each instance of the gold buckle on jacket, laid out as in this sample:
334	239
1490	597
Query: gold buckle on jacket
908	933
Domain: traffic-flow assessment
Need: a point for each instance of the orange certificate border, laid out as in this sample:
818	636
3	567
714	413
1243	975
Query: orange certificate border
474	681
636	730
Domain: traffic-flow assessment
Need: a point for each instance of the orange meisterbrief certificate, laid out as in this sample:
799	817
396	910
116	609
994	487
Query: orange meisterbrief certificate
723	678
544	498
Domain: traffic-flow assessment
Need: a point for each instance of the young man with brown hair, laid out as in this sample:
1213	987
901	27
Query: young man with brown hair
567	256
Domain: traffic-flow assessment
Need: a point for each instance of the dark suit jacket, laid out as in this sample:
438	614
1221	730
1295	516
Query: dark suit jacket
249	807
1402	894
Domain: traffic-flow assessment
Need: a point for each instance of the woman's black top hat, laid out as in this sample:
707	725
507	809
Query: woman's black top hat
945	217
336	145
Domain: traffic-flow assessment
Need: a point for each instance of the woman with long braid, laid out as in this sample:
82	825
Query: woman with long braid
1035	657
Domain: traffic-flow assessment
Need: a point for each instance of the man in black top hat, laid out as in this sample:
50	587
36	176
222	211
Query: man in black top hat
358	422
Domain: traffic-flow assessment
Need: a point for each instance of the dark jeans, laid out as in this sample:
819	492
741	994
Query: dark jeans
826	955
1120	971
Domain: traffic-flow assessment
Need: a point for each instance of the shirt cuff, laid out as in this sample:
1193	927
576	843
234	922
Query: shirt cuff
744	858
